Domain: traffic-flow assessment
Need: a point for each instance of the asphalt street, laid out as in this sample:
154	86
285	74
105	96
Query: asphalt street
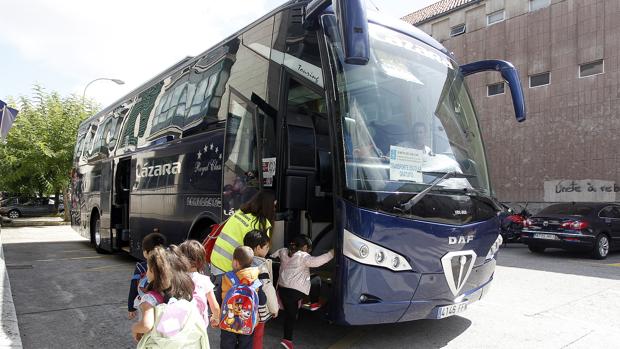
68	296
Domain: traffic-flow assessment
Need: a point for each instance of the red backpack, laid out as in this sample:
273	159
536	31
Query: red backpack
209	241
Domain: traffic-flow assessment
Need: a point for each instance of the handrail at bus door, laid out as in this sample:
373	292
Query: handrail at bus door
509	73
352	24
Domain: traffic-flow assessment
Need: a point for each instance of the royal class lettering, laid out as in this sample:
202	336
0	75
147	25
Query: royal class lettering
159	170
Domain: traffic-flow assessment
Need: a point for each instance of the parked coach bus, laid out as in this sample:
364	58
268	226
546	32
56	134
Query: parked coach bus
363	127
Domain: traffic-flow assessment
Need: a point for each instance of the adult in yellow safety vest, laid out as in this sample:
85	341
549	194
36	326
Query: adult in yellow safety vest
256	214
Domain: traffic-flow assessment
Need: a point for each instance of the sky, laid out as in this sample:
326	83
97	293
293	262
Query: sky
62	45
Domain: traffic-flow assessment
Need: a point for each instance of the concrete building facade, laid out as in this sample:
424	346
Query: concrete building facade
568	56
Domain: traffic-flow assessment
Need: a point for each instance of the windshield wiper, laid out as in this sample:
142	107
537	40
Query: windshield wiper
444	175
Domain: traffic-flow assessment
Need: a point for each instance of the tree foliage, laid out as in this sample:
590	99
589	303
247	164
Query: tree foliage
38	153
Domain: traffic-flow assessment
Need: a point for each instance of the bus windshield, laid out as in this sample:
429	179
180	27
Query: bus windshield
407	118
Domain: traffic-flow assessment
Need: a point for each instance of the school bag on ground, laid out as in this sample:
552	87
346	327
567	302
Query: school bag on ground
177	325
240	306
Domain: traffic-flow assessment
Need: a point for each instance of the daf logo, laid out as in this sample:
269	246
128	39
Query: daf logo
457	266
461	239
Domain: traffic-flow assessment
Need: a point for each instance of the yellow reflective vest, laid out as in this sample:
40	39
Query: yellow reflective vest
232	236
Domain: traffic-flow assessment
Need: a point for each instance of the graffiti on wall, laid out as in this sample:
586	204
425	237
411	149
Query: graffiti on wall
590	190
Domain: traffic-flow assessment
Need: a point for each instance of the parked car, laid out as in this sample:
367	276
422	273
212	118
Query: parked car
593	227
32	207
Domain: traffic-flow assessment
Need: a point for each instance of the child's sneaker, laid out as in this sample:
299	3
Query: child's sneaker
312	306
285	343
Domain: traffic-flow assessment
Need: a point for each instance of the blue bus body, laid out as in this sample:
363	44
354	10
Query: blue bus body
283	105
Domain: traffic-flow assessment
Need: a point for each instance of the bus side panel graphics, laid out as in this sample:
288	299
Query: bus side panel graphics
177	183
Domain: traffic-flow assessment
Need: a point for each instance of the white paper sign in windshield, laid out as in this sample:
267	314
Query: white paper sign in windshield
406	164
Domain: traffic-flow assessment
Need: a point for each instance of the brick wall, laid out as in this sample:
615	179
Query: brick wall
573	125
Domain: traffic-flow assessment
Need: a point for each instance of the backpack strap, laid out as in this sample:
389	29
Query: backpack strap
256	284
157	296
232	276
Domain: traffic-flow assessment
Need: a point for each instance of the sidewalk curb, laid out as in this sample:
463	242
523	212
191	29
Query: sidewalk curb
9	334
19	224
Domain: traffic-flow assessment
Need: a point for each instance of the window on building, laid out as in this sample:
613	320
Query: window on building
457	30
592	68
495	17
495	89
539	79
538	4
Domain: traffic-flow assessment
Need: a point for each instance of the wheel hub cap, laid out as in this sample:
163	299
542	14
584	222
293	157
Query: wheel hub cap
603	246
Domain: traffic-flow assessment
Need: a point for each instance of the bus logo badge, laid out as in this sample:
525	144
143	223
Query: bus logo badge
457	266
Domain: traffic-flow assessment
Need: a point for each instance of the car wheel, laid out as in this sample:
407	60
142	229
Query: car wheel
14	214
97	235
536	248
601	247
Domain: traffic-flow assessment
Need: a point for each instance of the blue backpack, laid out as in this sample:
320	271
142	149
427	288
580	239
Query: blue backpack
240	306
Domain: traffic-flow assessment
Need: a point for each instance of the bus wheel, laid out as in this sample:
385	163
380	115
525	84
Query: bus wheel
96	233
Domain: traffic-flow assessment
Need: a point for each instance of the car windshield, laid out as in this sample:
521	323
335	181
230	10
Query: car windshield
566	209
406	117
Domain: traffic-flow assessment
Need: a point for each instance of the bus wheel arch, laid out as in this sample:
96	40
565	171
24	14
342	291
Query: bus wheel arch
200	227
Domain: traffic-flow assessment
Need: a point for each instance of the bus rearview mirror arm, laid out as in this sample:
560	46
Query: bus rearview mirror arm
352	25
509	73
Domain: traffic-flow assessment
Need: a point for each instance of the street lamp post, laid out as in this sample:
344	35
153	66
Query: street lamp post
116	81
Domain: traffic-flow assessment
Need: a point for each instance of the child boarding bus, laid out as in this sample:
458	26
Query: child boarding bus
362	126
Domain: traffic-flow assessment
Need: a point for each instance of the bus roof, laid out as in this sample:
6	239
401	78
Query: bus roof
373	16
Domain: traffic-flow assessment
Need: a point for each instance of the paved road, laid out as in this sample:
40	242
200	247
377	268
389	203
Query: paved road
67	296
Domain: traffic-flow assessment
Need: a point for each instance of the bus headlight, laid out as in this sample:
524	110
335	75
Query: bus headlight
364	251
359	249
495	247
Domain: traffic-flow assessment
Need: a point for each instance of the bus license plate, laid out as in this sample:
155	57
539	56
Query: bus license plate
450	310
545	236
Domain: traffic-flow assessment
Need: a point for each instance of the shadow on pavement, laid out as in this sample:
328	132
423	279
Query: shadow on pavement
314	332
560	261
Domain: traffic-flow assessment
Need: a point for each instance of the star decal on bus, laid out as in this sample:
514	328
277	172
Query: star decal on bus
208	158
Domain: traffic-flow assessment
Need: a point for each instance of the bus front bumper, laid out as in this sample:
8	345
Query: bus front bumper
431	297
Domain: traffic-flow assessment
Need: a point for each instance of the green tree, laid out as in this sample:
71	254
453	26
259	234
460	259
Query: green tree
38	153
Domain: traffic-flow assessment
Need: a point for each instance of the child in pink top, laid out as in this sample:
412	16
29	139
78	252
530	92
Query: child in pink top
203	287
294	281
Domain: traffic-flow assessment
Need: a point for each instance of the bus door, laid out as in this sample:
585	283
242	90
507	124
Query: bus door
307	174
120	204
241	176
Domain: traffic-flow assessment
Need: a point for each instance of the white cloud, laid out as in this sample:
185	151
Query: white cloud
64	44
130	40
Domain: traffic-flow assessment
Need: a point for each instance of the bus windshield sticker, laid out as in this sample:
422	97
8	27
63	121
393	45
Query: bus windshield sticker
394	38
406	164
269	171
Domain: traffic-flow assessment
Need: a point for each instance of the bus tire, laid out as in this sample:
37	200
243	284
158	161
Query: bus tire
95	231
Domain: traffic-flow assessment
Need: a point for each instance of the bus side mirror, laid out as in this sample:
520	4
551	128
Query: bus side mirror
509	73
352	24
